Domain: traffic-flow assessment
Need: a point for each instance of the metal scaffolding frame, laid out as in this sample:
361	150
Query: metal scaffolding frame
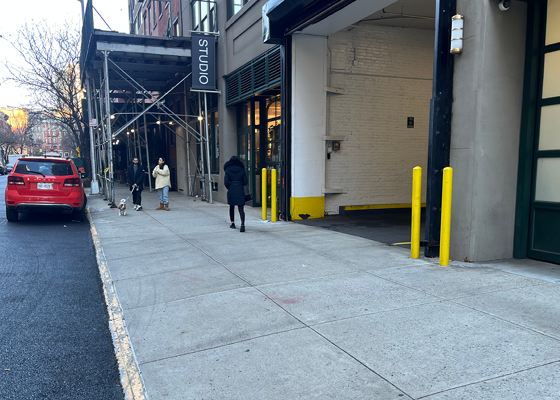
128	80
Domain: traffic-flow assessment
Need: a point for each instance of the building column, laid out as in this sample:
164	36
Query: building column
488	92
309	108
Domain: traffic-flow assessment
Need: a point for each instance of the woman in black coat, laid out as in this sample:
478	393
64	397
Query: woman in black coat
235	179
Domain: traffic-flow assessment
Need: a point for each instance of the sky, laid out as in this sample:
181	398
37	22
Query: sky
15	13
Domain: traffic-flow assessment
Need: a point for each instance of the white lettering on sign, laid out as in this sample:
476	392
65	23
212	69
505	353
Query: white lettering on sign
203	62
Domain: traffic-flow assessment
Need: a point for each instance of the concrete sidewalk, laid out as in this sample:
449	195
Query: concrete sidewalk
287	311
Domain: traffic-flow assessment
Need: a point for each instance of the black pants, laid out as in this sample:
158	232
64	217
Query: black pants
137	197
241	213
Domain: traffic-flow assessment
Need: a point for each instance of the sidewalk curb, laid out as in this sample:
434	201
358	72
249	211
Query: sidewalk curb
131	378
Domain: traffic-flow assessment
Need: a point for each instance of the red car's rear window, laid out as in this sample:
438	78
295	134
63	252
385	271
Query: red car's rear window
47	167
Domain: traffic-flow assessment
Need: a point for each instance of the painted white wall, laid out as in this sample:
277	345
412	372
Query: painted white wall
309	72
387	75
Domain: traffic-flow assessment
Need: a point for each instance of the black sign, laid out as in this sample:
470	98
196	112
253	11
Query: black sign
203	61
410	122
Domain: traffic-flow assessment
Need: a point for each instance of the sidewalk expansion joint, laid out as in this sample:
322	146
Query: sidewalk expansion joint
223	345
489	379
524	327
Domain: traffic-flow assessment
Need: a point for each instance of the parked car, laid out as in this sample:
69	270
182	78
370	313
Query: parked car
51	184
9	168
3	169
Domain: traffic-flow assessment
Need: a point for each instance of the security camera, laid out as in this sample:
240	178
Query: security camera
504	5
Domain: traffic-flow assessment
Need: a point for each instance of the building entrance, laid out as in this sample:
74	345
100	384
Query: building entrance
544	235
259	142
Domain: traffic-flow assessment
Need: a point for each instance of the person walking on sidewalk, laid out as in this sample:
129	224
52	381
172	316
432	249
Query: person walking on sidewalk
163	183
135	179
235	180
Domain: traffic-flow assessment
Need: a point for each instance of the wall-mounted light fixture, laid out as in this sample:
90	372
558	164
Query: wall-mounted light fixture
457	34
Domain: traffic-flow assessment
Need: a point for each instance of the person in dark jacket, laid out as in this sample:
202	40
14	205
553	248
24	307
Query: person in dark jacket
235	180
135	179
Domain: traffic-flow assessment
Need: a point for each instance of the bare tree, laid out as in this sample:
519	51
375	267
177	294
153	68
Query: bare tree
51	72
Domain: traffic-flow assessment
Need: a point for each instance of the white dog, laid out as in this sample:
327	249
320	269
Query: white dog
122	207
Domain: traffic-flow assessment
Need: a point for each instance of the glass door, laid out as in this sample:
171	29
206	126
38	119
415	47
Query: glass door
244	128
544	235
273	143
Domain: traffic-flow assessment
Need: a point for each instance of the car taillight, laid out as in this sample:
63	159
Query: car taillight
72	182
15	180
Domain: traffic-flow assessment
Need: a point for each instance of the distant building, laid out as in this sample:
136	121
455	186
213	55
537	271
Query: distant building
53	137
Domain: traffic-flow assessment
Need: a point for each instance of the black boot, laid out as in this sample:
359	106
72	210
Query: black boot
242	228
232	226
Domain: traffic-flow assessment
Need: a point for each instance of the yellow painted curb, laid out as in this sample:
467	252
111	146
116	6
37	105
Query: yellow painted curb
131	380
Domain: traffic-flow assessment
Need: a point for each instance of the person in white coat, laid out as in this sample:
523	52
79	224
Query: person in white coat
163	183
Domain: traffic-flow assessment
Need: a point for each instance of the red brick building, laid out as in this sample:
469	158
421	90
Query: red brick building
155	17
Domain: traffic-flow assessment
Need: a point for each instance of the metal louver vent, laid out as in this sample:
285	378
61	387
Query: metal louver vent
274	67
259	75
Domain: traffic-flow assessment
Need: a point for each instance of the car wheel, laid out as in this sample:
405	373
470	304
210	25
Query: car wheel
11	214
80	215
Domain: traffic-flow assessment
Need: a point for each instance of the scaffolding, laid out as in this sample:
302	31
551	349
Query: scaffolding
129	80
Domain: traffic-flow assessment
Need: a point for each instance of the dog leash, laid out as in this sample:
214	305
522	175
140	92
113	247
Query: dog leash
130	195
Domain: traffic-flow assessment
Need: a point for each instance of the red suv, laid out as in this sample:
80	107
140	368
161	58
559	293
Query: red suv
45	183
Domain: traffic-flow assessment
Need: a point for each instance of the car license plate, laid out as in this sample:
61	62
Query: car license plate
44	186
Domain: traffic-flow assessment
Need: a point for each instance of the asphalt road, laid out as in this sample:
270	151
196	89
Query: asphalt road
55	341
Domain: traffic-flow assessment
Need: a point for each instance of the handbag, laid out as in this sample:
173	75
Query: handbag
248	197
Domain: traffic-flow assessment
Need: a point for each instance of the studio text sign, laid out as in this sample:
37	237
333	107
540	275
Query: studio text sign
203	61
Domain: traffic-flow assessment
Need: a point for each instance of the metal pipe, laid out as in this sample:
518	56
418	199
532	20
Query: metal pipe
273	200
445	235
104	141
94	185
147	146
208	147
416	212
108	109
264	178
188	141
201	149
137	133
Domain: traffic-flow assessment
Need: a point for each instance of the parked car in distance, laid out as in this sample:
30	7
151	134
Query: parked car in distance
51	184
3	169
9	168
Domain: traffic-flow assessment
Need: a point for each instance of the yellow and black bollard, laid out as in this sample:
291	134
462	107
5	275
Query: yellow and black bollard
445	234
416	212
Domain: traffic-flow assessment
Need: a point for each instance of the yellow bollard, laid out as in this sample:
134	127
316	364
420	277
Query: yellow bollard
273	195
445	233
264	178
416	212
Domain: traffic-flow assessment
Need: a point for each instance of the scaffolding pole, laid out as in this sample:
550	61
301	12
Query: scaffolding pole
94	185
103	143
202	174
109	133
147	146
188	141
207	147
